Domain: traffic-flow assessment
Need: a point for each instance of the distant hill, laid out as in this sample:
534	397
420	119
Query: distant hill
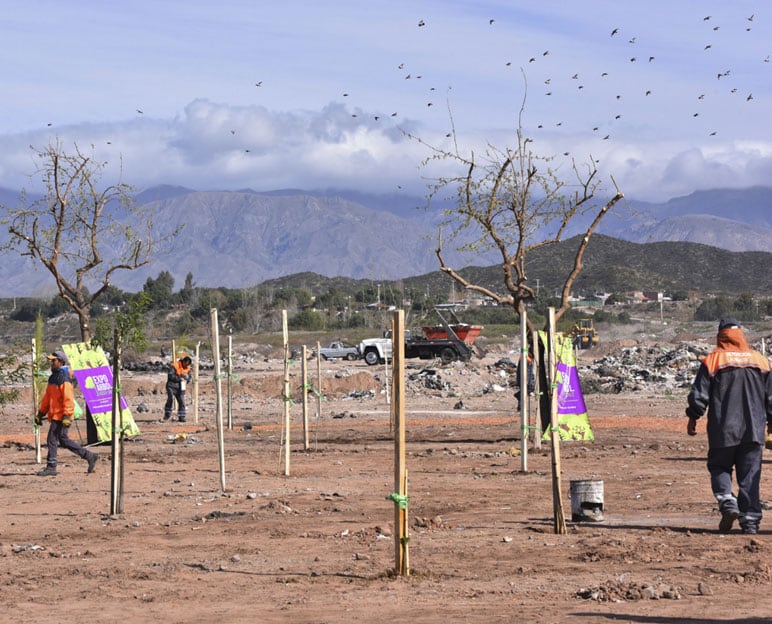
243	238
610	265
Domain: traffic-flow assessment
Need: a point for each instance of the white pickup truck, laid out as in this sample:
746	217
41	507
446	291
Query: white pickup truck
375	350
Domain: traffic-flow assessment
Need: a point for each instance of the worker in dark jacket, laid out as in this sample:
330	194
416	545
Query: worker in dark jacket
58	405
177	378
734	386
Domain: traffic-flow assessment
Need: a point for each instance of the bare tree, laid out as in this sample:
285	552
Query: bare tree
81	233
515	201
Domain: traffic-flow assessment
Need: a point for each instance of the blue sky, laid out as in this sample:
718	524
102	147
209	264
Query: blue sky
313	94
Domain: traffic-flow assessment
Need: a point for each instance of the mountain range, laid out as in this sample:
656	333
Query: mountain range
238	239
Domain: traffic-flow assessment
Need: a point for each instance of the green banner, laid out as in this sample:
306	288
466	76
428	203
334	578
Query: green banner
573	420
91	369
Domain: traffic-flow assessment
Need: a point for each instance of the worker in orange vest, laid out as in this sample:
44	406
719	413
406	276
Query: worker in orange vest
177	378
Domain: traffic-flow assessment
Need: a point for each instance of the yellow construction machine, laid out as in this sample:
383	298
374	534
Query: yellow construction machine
584	334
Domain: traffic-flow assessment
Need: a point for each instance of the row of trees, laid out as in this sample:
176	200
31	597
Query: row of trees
251	310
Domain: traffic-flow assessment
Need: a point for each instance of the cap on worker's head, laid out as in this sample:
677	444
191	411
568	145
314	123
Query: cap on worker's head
58	355
728	323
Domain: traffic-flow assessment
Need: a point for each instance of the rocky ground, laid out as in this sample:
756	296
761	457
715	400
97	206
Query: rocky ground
318	545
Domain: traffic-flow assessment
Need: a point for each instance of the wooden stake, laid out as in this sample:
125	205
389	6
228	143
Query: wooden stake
229	385
215	326
116	490
195	383
557	497
400	472
35	400
286	393
406	533
524	390
318	388
304	374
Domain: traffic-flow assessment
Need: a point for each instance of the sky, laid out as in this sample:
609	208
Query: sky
666	97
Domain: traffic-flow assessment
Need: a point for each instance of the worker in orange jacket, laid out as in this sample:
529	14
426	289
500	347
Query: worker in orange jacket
177	378
58	405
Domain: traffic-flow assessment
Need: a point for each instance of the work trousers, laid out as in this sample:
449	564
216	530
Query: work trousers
745	459
172	395
58	435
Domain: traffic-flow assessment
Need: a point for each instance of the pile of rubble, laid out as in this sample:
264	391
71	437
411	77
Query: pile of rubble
643	368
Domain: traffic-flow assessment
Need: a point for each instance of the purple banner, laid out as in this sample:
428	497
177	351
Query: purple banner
96	384
570	398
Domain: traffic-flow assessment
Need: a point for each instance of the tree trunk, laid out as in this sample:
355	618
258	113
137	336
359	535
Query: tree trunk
85	328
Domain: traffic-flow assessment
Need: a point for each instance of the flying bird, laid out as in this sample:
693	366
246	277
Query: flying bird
401	66
750	19
696	115
632	60
716	27
545	53
701	96
259	84
614	32
632	40
531	60
648	92
707	47
421	23
713	133
749	98
490	21
651	58
706	18
140	112
604	74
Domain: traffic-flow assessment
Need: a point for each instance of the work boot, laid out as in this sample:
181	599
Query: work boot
727	520
750	529
181	418
48	471
92	460
729	513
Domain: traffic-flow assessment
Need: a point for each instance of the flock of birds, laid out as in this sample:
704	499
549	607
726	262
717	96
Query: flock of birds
574	83
571	83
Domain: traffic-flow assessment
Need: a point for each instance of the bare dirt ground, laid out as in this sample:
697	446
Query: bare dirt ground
318	545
